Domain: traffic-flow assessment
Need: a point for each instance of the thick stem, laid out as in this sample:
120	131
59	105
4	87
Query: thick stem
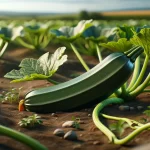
46	40
138	81
117	93
82	49
32	143
146	90
25	44
135	73
3	49
98	53
36	41
96	113
123	90
141	87
79	57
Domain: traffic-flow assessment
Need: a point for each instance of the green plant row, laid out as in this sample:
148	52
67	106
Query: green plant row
85	35
88	38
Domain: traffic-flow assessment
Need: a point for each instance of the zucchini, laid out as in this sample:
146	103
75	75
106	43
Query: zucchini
87	89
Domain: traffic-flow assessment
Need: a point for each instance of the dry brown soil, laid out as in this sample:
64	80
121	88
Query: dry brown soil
89	137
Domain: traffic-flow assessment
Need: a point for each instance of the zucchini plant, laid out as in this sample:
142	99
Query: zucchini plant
35	36
94	35
8	34
30	121
39	69
135	87
70	34
129	91
10	96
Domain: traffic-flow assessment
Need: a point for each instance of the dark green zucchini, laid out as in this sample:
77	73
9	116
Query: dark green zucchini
89	88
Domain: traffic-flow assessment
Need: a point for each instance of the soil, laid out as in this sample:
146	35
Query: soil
89	137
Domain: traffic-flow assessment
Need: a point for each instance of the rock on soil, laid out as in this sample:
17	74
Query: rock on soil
68	124
71	135
59	132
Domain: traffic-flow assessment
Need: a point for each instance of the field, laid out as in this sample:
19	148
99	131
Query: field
128	13
30	45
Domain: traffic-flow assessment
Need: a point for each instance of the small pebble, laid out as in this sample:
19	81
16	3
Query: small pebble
77	147
142	147
132	108
54	115
96	142
59	132
68	124
139	107
124	107
89	115
71	135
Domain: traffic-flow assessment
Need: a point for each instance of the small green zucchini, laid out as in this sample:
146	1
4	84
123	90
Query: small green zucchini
89	88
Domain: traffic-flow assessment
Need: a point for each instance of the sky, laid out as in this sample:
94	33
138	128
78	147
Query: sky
71	6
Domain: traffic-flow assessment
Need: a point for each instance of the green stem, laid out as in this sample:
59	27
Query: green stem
146	90
52	81
41	37
79	57
25	44
135	73
123	89
131	135
131	50
142	73
98	53
32	143
29	37
117	93
46	40
82	49
141	87
3	49
129	121
96	113
36	42
111	136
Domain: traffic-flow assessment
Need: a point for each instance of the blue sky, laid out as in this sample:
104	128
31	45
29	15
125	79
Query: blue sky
70	6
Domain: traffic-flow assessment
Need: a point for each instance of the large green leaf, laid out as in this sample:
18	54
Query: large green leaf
121	45
142	39
94	33
42	68
50	63
10	33
36	28
71	33
109	33
125	31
